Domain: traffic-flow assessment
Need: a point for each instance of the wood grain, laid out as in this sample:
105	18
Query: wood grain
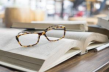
17	15
89	62
25	15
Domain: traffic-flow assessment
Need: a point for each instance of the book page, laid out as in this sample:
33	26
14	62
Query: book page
84	37
42	50
81	36
66	56
95	45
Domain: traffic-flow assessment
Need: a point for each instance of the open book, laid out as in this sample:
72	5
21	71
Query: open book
70	25
45	54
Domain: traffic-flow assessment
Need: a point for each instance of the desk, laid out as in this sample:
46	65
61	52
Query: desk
92	61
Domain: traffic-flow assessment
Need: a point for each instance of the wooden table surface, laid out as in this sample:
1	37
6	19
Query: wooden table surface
86	63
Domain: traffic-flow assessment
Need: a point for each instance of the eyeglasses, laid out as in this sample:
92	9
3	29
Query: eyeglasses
29	39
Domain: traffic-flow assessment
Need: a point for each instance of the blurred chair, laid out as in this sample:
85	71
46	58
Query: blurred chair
25	15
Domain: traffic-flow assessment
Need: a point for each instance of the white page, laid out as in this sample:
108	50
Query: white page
41	50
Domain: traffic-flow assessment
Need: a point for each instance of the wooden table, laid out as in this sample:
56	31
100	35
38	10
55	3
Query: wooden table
92	61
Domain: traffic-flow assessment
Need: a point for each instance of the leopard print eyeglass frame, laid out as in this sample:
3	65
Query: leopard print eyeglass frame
40	34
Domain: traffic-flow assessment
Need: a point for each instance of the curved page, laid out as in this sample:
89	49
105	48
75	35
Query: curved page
37	57
84	37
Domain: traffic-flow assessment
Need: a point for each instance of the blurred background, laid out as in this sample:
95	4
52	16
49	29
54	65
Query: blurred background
51	10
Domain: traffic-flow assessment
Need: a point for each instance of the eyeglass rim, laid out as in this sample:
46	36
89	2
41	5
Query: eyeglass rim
39	34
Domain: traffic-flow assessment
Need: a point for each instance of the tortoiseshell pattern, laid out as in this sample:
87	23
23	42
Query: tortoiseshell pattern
41	33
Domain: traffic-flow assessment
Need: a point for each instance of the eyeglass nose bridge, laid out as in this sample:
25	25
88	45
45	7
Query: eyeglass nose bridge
42	33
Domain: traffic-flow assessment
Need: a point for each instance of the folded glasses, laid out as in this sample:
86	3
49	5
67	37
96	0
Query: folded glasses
28	39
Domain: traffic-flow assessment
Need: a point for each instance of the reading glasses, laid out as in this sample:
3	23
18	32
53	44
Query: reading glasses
29	39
